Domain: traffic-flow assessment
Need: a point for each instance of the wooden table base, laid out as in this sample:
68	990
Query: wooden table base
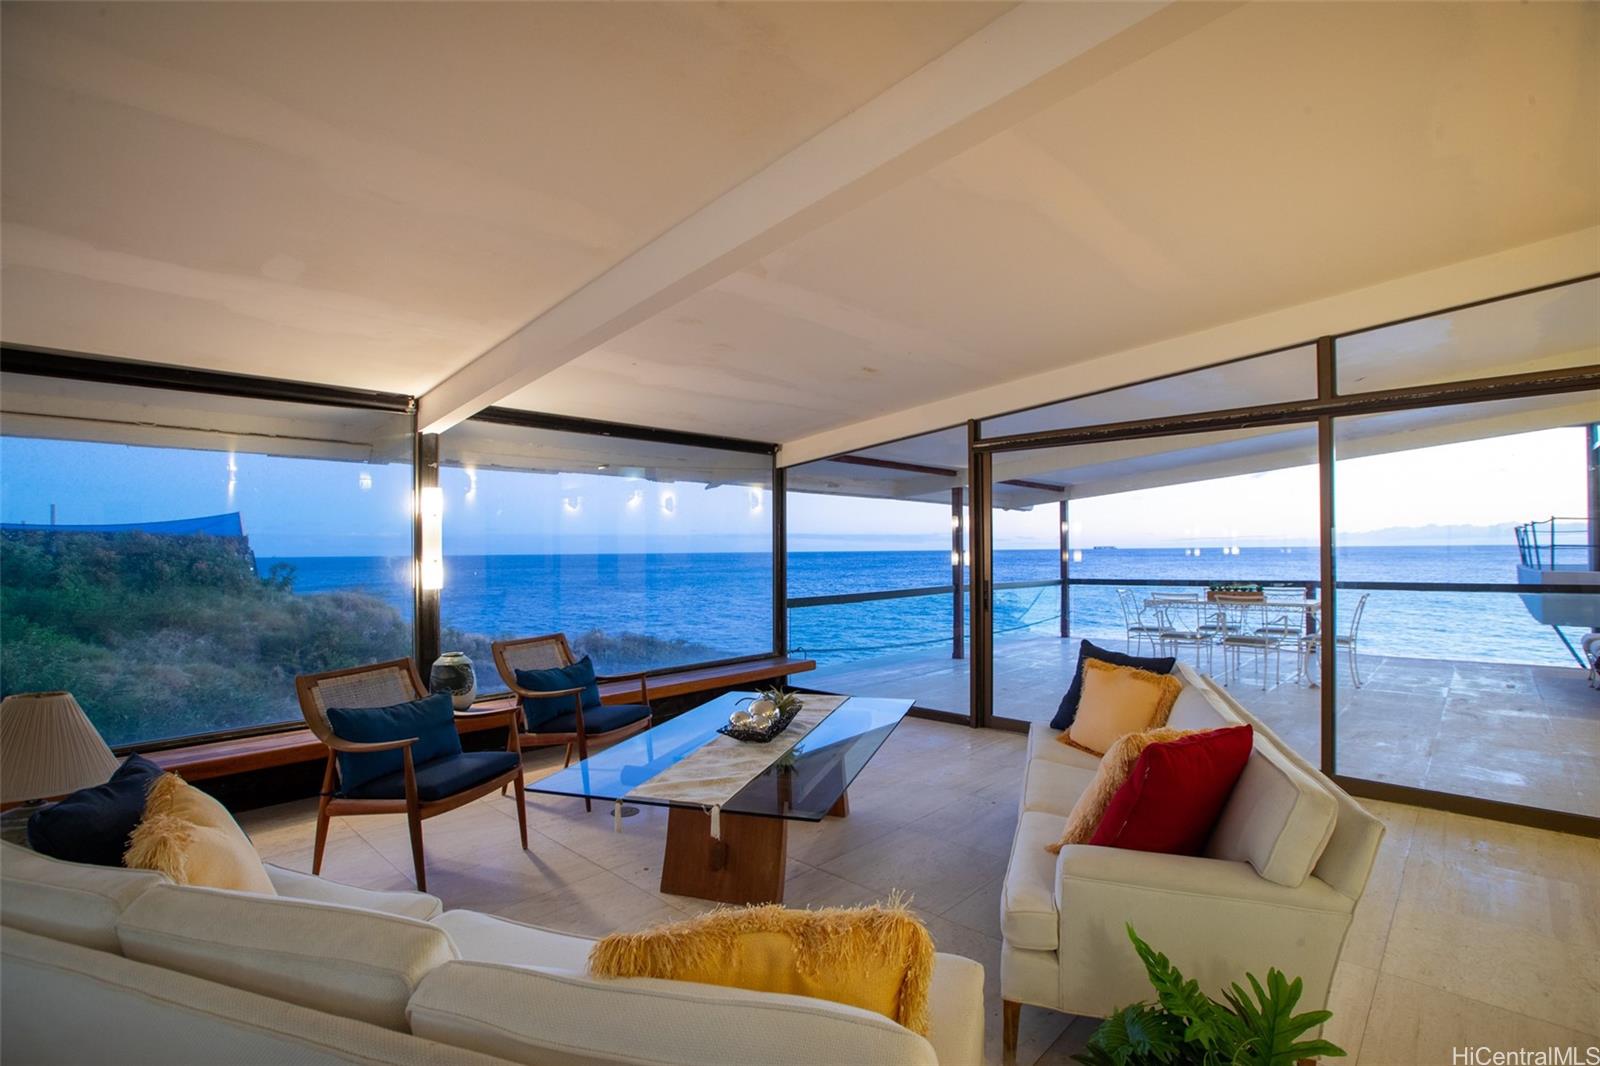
745	866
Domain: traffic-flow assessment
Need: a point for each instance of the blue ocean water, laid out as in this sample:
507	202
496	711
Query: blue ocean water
720	602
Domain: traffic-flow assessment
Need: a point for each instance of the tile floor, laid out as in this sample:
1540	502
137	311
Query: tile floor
1470	933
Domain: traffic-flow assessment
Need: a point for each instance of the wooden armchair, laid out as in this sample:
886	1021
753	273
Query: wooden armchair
575	728
418	792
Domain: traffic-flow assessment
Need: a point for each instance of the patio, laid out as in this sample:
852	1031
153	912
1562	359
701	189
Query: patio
1522	734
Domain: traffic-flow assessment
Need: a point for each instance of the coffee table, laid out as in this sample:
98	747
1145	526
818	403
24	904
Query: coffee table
730	802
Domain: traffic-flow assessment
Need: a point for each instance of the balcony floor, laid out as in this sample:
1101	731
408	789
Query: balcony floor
1520	734
1471	933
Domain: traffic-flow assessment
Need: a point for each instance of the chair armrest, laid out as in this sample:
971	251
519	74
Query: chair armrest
382	745
955	1007
641	676
530	694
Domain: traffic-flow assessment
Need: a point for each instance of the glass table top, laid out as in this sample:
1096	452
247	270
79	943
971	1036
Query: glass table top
802	783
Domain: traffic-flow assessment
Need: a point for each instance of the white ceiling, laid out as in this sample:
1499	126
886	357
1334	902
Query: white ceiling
372	195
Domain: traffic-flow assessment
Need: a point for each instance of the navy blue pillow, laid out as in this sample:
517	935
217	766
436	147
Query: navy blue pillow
578	675
1069	703
93	824
432	721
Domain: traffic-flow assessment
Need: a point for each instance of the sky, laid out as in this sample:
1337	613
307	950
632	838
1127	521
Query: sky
299	507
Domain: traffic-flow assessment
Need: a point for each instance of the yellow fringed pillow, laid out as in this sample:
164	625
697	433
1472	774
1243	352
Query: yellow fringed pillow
1118	700
1115	766
192	838
879	957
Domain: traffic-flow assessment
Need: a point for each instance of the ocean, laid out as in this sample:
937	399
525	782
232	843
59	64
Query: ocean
719	603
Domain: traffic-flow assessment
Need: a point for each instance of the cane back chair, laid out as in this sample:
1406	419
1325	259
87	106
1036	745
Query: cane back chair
420	791
578	727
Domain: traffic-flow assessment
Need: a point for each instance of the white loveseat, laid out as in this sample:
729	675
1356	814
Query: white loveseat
1277	886
110	965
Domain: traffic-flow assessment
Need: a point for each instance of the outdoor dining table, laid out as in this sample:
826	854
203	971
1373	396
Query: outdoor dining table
1310	610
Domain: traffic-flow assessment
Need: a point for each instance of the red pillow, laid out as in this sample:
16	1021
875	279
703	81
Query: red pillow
1175	793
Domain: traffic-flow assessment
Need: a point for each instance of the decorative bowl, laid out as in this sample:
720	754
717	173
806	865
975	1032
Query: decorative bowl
760	731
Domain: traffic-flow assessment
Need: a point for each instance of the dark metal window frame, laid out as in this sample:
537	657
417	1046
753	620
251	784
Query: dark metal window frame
1328	405
425	621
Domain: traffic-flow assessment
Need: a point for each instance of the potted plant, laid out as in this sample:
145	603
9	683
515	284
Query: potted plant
1186	1027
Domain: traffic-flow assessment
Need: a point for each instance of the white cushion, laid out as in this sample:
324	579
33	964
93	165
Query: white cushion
1044	743
486	938
559	1018
68	900
1196	708
1053	786
297	885
1028	914
353	962
1278	818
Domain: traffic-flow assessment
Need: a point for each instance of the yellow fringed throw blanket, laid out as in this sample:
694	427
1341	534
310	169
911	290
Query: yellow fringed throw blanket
877	957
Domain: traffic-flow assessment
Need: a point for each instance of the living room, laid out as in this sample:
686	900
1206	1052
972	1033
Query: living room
1013	484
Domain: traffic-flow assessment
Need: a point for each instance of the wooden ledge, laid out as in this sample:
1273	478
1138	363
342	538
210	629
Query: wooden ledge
221	758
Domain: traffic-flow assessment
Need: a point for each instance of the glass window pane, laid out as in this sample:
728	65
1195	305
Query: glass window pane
645	555
1201	546
1469	692
1548	330
875	594
1277	377
175	559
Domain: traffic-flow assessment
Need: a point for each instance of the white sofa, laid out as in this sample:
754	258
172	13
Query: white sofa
1277	886
110	965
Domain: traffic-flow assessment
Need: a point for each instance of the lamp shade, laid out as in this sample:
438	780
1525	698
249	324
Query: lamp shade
48	747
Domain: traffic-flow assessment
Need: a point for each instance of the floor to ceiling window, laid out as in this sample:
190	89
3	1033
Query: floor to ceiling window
646	555
175	559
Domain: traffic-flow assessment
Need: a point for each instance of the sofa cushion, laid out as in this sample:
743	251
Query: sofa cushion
578	675
1278	819
1028	913
557	1018
1045	743
599	720
440	778
192	838
1175	792
93	824
432	721
488	938
1118	700
1054	787
1197	708
76	902
298	885
344	960
1109	778
1068	708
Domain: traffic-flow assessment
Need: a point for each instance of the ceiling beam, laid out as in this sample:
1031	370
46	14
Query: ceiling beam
1028	58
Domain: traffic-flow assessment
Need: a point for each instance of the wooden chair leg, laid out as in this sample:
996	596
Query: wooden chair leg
568	760
522	809
1011	1013
322	817
414	821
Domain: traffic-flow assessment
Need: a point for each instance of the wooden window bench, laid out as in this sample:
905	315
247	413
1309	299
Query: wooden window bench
223	758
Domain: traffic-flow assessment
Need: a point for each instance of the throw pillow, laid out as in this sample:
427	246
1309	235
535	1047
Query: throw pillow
431	720
557	679
192	838
1118	700
1113	771
1086	651
877	957
1175	793
93	824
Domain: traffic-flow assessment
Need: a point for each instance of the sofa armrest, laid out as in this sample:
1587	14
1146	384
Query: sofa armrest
1215	919
293	884
955	1007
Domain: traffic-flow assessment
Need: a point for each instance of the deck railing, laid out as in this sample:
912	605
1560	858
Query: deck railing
1555	544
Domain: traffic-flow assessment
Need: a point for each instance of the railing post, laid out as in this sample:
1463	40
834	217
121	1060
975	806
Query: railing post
1593	442
957	544
1066	574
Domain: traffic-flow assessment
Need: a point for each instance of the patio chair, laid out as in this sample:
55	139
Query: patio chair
578	727
1350	638
1133	620
1185	623
419	791
1254	628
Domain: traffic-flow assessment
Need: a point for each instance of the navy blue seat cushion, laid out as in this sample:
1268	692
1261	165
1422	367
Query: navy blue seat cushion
93	824
558	679
432	721
441	778
599	720
1069	703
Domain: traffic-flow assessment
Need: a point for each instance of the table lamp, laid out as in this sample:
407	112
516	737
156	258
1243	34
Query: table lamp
48	748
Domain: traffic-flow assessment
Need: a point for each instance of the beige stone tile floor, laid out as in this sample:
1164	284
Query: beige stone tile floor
1471	932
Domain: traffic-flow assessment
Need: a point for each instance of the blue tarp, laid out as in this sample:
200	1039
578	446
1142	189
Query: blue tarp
217	525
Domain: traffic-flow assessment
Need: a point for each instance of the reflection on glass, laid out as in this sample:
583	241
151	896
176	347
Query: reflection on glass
647	556
1469	692
177	570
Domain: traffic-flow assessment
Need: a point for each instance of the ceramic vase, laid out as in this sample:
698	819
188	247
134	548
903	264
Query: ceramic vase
452	672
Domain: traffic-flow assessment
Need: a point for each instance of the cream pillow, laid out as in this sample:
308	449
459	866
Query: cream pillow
1118	700
192	838
1113	772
